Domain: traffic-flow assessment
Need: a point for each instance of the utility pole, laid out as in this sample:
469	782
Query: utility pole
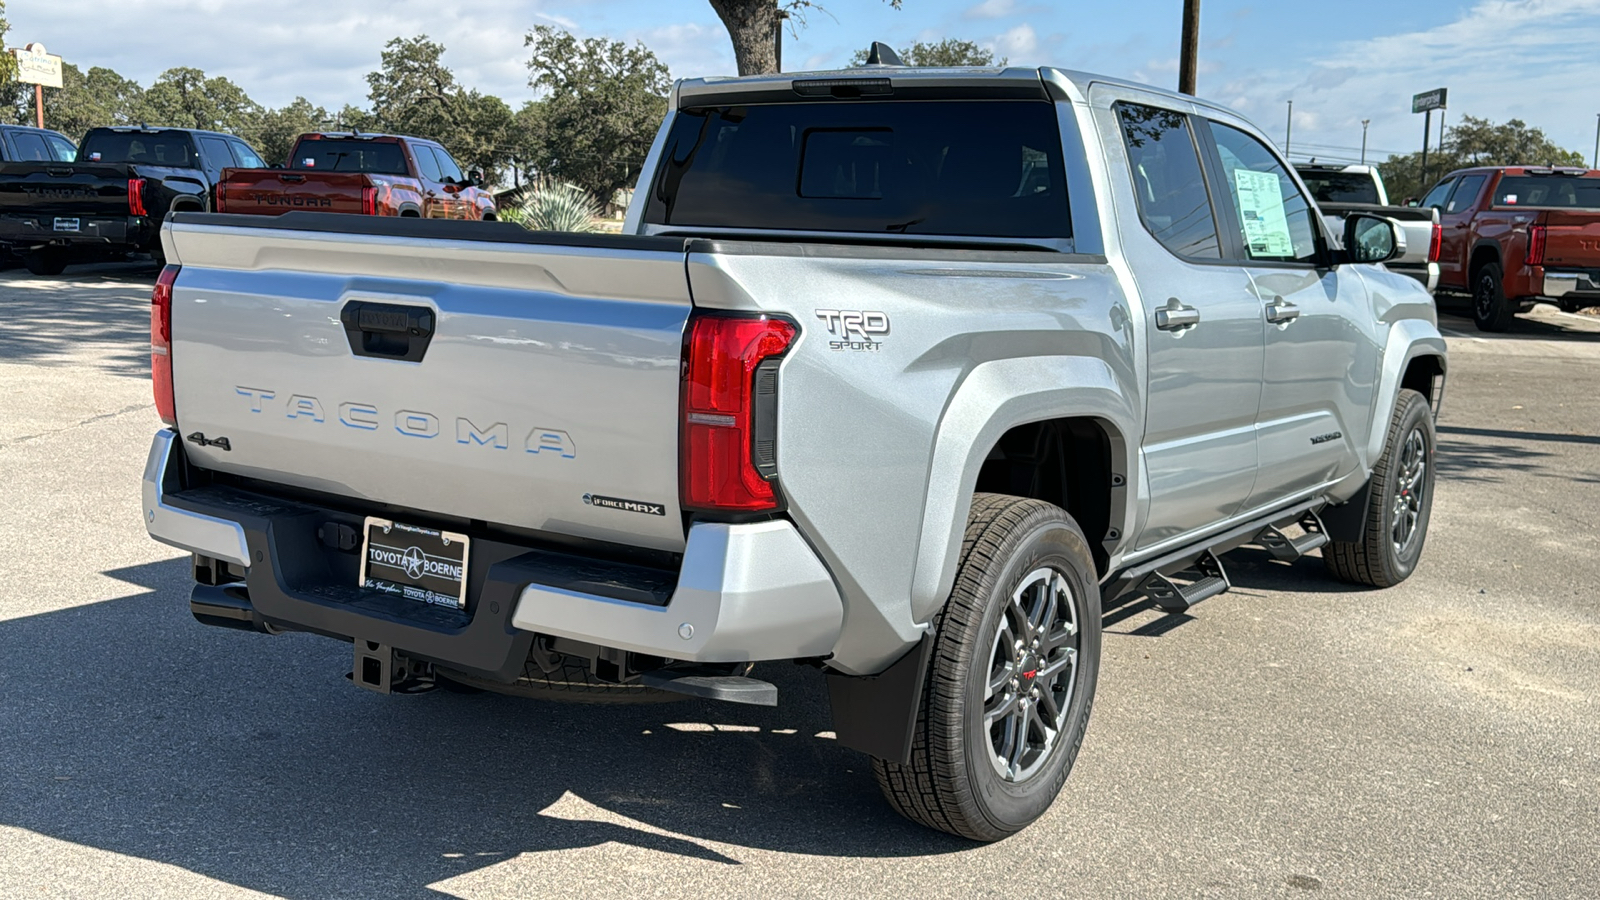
1364	124
777	38
1288	130
1427	126
1189	49
1596	141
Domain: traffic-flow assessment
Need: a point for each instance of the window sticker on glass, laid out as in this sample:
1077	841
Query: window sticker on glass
1266	225
94	157
310	162
1511	199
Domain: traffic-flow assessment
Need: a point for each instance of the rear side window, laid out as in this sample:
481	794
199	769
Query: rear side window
1173	202
965	168
217	153
1465	194
30	147
152	148
1549	191
350	155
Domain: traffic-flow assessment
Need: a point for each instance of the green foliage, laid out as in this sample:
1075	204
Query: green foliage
1473	142
8	63
604	101
948	52
414	93
87	100
186	98
552	205
279	128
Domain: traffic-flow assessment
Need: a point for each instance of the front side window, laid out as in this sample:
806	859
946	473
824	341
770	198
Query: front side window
447	167
427	163
1437	196
1276	221
989	168
246	156
1173	201
63	149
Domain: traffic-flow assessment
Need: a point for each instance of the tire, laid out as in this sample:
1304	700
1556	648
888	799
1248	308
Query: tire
955	782
46	263
1491	311
1389	548
569	681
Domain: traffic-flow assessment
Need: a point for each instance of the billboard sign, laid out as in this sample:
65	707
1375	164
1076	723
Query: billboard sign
35	66
1429	100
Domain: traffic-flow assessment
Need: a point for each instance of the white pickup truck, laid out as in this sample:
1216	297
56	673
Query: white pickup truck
1342	191
897	373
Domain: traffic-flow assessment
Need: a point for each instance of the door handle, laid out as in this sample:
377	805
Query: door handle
1280	311
1176	317
389	330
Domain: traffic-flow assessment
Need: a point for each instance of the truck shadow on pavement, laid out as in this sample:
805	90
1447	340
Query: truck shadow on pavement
52	321
250	759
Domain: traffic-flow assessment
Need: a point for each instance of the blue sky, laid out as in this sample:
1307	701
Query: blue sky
1339	62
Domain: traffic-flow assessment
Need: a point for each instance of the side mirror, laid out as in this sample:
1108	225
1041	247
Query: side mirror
474	177
1372	239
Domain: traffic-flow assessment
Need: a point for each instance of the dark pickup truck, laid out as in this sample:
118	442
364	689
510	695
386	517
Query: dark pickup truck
23	143
112	200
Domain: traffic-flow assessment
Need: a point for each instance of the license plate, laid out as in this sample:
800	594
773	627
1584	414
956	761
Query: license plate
416	563
67	224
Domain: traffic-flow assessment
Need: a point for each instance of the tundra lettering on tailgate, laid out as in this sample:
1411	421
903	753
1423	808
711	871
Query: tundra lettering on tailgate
540	440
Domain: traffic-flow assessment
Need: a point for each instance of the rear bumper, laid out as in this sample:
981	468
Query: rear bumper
27	231
1558	284
744	592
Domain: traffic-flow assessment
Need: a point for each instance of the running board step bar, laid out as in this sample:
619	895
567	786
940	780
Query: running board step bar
1179	598
712	683
1289	549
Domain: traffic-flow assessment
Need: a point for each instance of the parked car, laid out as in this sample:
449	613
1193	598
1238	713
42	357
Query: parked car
1514	235
20	143
1343	191
112	199
366	174
904	390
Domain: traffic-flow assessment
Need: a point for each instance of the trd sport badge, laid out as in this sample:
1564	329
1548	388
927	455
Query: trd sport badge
854	329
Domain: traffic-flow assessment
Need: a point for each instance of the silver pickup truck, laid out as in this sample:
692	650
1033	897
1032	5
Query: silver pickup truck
903	374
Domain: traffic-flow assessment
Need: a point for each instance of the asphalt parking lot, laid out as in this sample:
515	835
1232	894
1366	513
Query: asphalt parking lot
1291	738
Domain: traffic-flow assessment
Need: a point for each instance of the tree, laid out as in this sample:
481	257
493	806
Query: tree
752	25
413	93
1474	142
603	103
948	52
186	98
281	127
87	100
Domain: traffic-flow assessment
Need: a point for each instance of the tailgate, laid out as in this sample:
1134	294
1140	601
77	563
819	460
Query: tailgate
271	192
1572	238
64	189
502	376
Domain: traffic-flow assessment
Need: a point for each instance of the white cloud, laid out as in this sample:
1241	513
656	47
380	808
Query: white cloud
991	9
1019	43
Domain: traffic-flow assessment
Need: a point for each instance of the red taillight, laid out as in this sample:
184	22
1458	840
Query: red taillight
1436	243
161	345
718	464
1535	245
369	201
136	197
222	196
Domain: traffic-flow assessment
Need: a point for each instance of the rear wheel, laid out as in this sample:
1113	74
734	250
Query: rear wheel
1399	503
46	262
1011	681
1491	311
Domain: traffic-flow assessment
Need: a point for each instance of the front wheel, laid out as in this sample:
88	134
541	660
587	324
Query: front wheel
1491	311
1012	677
46	262
1399	503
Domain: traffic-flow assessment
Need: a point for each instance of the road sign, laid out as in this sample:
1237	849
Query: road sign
35	66
1429	100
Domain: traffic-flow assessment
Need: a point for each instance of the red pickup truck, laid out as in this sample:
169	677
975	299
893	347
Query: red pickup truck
365	174
1516	234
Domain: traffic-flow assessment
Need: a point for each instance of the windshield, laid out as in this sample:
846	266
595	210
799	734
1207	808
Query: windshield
987	168
350	155
1551	191
1341	187
152	148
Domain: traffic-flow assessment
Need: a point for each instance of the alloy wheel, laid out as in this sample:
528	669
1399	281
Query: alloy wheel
1032	672
1410	483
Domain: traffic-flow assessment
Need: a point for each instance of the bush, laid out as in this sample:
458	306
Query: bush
550	205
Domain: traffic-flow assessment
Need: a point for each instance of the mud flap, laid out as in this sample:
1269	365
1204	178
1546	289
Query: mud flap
877	714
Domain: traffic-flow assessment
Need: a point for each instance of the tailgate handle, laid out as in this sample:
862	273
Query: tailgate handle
294	178
387	330
58	171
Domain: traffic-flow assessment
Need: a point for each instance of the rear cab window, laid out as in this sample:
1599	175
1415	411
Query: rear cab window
968	168
1547	191
1340	187
174	149
350	155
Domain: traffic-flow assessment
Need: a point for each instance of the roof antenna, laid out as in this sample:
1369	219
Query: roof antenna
881	54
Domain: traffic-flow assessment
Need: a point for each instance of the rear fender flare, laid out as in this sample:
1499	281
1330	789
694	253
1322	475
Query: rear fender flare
995	397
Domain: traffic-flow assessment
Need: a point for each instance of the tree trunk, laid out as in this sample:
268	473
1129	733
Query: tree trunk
752	26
